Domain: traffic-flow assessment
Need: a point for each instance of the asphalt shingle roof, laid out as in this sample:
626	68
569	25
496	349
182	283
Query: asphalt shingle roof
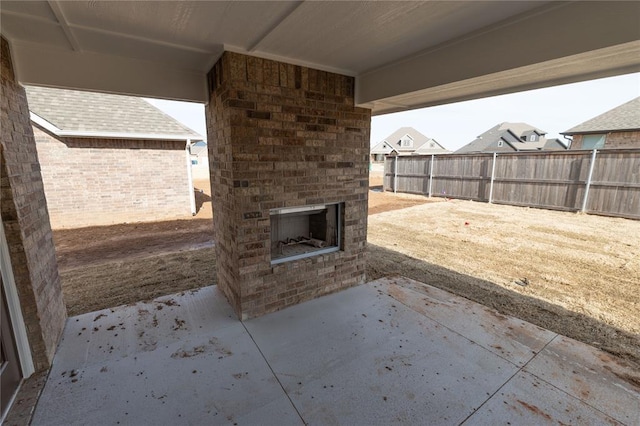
79	111
509	132
623	117
419	140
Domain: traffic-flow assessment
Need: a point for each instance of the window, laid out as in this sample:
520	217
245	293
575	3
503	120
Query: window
500	144
533	137
194	162
406	141
593	141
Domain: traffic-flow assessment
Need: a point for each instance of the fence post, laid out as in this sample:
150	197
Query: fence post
395	174
588	185
493	172
433	158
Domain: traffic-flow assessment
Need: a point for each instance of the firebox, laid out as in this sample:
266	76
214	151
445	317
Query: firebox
306	231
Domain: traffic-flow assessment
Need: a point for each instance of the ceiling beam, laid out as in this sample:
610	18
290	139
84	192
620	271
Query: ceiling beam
62	20
608	62
106	73
538	42
286	15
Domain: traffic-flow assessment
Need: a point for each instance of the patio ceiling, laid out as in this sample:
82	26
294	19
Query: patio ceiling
403	54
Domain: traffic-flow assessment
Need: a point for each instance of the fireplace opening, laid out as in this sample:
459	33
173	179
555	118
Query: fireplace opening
306	231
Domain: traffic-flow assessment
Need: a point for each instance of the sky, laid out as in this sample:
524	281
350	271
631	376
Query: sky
552	109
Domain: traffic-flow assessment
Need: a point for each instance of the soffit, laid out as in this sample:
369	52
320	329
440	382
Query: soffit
164	49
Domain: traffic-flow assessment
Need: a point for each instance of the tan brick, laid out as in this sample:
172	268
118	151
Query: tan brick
26	221
298	134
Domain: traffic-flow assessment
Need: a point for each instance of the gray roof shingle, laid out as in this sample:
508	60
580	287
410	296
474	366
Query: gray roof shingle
623	117
419	141
79	111
510	133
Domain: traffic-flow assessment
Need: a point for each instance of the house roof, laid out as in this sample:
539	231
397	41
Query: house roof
419	141
520	129
89	114
382	147
554	143
511	133
426	148
198	149
623	117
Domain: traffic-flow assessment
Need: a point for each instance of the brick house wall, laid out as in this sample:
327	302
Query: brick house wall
106	181
280	136
26	222
617	140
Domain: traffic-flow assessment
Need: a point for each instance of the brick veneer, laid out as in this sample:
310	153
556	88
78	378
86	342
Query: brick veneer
105	181
280	136
26	222
615	140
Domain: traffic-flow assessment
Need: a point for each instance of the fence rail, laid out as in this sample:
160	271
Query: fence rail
605	182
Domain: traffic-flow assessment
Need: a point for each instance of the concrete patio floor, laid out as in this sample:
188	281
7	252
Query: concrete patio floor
390	351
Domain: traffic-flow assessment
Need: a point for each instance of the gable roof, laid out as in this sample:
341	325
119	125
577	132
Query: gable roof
419	141
88	114
554	143
511	133
382	147
623	117
198	149
431	147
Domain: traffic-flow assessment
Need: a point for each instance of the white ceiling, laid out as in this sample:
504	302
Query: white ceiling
403	54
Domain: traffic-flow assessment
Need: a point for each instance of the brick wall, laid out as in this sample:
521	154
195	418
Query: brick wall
101	182
281	136
26	222
615	140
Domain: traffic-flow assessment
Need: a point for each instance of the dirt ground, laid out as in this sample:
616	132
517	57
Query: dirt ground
574	274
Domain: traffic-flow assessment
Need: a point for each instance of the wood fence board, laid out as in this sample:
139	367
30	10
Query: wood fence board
553	180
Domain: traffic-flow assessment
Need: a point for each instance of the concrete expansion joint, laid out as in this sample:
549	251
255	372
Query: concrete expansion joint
273	372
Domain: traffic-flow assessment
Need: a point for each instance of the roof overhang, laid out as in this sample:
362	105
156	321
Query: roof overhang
403	55
36	119
599	131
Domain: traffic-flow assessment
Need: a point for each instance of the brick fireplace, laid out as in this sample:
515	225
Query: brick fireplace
288	154
307	231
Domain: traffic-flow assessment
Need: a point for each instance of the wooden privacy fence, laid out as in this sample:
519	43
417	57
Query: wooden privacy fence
603	182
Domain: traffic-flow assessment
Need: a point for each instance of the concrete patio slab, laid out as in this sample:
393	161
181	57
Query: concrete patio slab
390	351
511	338
528	400
177	360
376	362
592	376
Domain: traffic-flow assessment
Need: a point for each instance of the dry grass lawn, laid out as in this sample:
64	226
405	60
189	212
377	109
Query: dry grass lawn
577	275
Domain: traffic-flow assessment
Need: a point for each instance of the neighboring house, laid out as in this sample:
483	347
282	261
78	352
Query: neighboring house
199	160
511	137
109	159
616	128
405	141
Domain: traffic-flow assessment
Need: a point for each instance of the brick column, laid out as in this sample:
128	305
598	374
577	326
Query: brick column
281	135
26	222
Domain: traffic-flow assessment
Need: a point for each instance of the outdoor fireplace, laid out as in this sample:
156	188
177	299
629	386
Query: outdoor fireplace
289	165
306	231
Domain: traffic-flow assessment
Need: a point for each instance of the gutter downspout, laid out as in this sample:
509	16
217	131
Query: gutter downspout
192	196
569	141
